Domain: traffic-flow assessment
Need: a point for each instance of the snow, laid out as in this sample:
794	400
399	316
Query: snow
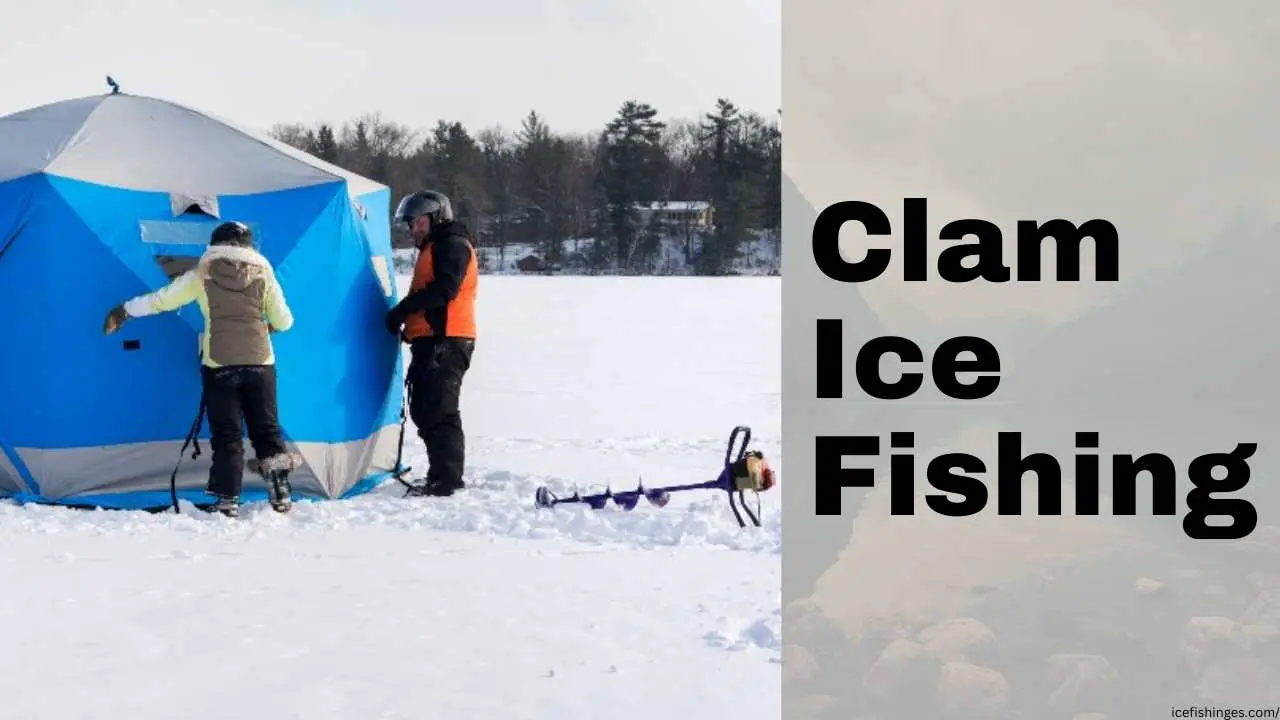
477	606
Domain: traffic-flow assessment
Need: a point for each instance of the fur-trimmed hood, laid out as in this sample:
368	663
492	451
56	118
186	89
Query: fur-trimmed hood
234	268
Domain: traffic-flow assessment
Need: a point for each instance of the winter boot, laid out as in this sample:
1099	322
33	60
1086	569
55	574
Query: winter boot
228	506
275	472
435	487
278	491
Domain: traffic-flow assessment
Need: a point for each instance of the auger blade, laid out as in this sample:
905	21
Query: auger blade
657	498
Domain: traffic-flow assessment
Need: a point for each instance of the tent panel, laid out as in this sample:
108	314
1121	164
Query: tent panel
135	468
280	219
33	138
16	199
152	145
10	480
149	144
64	382
377	237
69	384
339	467
338	355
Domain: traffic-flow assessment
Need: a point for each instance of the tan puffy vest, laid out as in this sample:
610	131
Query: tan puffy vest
236	293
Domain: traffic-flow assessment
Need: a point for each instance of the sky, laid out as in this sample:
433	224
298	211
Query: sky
1158	115
481	62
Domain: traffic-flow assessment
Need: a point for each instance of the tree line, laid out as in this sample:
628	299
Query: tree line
635	197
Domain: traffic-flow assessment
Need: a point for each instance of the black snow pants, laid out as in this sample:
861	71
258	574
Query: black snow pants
435	390
235	397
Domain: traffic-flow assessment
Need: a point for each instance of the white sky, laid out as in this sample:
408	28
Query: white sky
1158	115
482	62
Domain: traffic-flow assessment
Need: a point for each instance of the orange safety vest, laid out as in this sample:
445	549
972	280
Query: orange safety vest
460	313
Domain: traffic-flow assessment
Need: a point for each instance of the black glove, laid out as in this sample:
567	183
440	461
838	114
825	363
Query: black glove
395	318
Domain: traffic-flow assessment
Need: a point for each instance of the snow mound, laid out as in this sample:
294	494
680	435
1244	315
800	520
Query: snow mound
497	503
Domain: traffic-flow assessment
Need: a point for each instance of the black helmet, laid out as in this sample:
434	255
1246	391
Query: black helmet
424	202
232	233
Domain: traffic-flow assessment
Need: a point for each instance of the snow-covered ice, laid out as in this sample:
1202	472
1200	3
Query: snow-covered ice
477	606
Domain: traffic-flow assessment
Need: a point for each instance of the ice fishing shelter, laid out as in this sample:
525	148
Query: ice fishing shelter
106	197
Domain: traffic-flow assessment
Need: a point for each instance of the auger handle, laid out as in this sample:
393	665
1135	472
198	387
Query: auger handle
755	517
746	440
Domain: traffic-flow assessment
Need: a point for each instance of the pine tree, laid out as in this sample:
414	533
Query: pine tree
457	169
499	180
544	182
720	131
631	174
326	146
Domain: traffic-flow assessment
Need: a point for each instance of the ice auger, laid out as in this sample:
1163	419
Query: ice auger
747	470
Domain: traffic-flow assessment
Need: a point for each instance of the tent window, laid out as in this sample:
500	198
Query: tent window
384	275
175	265
185	235
191	232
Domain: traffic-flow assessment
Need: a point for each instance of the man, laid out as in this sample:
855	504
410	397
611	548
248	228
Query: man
439	323
241	301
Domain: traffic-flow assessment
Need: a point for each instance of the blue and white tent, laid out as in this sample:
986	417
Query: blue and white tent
107	197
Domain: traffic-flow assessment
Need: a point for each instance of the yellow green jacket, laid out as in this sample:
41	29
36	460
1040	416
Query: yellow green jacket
240	299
